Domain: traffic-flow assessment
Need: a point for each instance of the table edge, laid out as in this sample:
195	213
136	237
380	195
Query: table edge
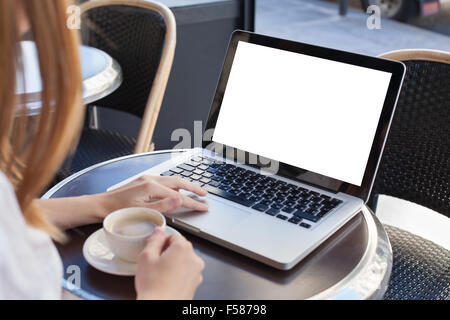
374	268
113	71
370	278
60	184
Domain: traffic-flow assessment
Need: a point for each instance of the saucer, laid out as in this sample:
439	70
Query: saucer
97	253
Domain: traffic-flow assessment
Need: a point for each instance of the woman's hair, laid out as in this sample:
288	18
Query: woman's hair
32	148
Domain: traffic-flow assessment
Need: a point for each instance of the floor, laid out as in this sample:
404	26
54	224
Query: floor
439	22
318	22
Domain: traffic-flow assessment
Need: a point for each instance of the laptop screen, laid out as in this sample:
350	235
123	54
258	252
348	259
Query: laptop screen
312	113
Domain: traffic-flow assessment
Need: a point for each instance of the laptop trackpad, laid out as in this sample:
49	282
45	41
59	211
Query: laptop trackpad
221	216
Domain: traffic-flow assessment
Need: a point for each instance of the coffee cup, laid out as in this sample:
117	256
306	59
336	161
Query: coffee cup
127	230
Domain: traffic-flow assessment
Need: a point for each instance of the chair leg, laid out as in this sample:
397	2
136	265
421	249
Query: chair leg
91	118
343	6
93	124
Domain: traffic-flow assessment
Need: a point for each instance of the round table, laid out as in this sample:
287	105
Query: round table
354	263
101	76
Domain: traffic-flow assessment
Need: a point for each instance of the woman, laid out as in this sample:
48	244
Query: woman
31	151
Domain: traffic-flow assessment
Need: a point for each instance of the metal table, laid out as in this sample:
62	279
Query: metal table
101	76
354	263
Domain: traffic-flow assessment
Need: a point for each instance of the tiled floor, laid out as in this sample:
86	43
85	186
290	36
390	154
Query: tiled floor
318	22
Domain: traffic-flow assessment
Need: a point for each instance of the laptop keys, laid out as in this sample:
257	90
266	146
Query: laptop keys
272	211
217	177
205	180
325	197
276	206
255	198
305	225
198	171
304	215
315	205
234	191
214	183
207	175
207	162
294	220
262	193
260	207
314	193
193	163
288	209
176	170
185	167
228	196
336	201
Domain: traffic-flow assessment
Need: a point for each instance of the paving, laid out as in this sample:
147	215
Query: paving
318	22
439	22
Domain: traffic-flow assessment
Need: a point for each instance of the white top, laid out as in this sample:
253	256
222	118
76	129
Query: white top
30	266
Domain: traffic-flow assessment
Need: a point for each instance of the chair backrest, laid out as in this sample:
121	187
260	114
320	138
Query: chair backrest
416	161
141	37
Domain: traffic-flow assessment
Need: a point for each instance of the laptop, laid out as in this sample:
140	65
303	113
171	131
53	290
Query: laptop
291	146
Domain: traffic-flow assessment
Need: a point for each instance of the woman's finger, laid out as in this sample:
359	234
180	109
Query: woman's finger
165	205
160	191
155	244
180	183
133	185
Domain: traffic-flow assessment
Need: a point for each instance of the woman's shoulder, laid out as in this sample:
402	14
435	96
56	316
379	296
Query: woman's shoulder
9	207
4	182
6	188
40	276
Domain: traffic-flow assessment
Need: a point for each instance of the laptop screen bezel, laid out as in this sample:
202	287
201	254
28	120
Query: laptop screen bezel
397	69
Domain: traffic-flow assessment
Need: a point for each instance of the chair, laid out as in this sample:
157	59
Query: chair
415	167
141	37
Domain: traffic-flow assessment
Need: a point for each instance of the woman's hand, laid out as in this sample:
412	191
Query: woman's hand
158	193
168	268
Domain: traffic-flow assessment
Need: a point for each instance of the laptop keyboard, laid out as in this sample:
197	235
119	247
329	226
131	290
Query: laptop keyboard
294	204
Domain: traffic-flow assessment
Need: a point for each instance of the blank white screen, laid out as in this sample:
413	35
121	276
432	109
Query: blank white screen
312	113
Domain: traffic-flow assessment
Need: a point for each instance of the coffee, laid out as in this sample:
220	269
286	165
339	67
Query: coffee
128	229
139	225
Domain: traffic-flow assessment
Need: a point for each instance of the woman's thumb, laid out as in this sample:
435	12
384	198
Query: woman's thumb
155	243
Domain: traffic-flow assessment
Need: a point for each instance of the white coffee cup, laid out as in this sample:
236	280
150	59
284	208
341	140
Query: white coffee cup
128	245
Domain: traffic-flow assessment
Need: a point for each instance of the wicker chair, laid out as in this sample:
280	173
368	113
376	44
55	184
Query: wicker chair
140	36
416	167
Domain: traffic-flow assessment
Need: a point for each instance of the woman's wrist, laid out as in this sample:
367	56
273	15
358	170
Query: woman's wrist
152	295
93	208
75	211
144	297
102	205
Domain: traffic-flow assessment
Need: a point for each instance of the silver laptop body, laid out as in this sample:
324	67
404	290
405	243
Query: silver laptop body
276	237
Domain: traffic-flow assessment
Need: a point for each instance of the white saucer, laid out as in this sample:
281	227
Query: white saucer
97	253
